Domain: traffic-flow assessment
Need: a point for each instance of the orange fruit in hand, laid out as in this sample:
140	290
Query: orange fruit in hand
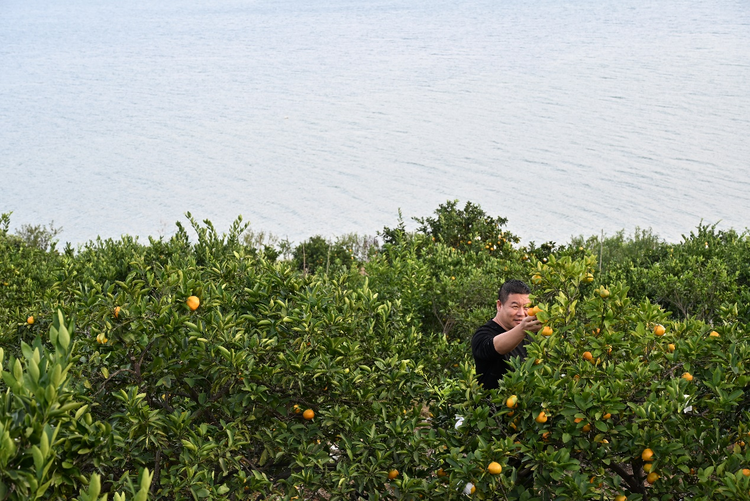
392	474
193	302
647	455
308	414
659	330
494	468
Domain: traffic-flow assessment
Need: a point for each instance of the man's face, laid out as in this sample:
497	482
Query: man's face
513	310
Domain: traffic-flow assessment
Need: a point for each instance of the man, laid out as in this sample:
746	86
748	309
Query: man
504	336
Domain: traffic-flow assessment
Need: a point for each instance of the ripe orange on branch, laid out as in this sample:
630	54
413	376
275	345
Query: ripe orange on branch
659	330
308	414
494	468
193	303
392	474
647	455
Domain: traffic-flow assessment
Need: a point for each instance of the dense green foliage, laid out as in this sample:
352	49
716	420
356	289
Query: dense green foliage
117	386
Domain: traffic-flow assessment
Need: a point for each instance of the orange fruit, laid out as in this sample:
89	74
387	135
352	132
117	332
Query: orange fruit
308	414
117	311
621	498
746	472
714	334
588	356
392	474
687	376
545	436
604	293
547	331
647	467
297	409
494	468
536	279
541	418
193	302
586	428
652	477
588	278
30	320
441	473
607	416
647	455
578	420
659	330
671	347
512	402
537	361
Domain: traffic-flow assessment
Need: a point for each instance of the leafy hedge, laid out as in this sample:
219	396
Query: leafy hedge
118	387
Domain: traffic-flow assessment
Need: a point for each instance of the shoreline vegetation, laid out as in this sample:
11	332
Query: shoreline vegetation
238	365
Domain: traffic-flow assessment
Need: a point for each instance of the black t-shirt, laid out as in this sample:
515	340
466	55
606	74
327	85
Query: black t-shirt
491	366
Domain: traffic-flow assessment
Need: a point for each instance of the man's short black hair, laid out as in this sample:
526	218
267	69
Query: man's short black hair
512	287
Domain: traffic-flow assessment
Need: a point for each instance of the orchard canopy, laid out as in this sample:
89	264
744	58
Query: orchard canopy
233	366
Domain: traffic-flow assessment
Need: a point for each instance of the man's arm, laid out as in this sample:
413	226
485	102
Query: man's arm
506	341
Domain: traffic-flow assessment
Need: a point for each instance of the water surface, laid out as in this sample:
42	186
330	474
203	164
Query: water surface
566	117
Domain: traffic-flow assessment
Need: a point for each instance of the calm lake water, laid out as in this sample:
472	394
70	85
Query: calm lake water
566	117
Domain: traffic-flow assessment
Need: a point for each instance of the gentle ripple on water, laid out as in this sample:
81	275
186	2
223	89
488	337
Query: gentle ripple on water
565	117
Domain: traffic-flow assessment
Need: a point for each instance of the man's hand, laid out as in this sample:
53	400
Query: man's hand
530	323
506	341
